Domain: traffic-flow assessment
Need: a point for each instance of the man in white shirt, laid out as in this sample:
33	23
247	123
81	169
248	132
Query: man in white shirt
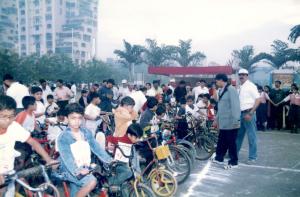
74	91
15	90
139	98
124	90
249	101
46	90
200	89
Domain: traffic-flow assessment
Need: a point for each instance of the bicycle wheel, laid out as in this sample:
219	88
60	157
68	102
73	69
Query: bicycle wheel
141	191
191	149
162	183
204	147
179	163
50	191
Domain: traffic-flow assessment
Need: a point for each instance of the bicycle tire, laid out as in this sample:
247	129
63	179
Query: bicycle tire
205	147
143	191
190	147
188	152
155	181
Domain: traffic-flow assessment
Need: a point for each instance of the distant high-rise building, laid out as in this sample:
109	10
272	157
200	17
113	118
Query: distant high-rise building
8	25
58	26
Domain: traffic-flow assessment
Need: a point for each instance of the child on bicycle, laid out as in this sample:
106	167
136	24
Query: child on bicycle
124	115
10	133
75	145
123	172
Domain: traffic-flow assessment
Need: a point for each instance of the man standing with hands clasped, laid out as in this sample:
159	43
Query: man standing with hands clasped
249	101
227	120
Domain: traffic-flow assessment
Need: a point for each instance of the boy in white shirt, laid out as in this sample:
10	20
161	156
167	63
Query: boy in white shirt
10	133
51	108
39	113
56	125
92	113
191	107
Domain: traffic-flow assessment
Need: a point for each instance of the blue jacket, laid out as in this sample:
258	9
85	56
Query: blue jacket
65	139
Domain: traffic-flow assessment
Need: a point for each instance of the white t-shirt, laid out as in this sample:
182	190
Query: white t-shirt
93	111
139	99
17	91
74	90
15	133
51	108
199	90
81	152
123	92
46	92
194	111
54	129
248	93
40	108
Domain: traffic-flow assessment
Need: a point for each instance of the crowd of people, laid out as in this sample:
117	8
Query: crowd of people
73	120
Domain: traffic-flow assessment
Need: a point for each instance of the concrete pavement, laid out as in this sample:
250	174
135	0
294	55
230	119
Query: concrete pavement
276	172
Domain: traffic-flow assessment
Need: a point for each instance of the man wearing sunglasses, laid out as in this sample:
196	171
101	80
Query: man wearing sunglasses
249	101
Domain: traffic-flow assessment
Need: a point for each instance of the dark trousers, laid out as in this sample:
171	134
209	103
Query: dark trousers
276	117
227	141
294	118
261	116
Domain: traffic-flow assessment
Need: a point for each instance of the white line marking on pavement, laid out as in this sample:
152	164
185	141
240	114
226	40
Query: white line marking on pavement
200	176
271	168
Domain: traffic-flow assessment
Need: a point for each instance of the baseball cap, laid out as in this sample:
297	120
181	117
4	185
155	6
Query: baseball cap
172	80
124	81
243	71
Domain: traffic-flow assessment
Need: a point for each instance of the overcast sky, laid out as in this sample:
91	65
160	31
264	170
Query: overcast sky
215	26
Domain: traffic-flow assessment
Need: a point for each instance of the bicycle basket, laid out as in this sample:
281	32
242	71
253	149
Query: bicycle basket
162	152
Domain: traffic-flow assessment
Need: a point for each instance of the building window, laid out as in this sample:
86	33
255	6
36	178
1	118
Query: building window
82	54
23	29
86	38
49	26
48	17
23	37
23	54
49	44
36	2
83	45
37	11
89	30
23	47
75	44
22	20
48	1
48	9
37	28
48	36
22	12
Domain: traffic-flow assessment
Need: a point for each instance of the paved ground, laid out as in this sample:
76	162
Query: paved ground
276	173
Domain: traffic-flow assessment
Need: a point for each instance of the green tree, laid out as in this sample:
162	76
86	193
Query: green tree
8	62
244	56
130	57
155	55
184	56
295	33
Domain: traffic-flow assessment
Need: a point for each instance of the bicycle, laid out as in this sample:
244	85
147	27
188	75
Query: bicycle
46	189
199	135
161	181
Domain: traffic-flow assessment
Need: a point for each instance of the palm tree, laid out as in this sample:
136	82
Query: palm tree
295	33
281	53
244	56
183	55
130	57
155	55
